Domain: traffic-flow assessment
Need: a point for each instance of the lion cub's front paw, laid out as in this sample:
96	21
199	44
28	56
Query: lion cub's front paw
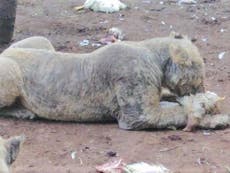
192	123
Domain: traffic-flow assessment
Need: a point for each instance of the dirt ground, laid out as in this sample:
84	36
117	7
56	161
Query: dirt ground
49	145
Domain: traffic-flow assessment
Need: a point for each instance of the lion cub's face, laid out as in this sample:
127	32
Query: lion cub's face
9	149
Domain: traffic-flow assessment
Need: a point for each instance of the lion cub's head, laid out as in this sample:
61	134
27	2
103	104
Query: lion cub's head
184	70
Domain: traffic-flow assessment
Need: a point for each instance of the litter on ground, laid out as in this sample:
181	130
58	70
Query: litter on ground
114	34
84	43
118	166
111	167
106	6
143	167
221	55
73	155
186	2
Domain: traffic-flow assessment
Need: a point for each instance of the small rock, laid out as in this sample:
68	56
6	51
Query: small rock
193	40
174	138
111	154
220	80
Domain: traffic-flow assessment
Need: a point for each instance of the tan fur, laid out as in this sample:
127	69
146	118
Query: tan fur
34	42
10	81
9	149
3	166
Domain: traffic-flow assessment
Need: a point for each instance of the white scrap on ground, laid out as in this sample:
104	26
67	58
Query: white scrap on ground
221	55
73	155
143	167
187	2
107	6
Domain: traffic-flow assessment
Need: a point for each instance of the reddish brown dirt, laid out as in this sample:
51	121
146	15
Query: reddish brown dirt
49	144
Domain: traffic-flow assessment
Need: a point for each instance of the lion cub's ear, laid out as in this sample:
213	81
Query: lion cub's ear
179	55
13	146
178	35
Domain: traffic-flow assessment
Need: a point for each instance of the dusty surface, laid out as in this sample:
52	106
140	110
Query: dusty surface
49	144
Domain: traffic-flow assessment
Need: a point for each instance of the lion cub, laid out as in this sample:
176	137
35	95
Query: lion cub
9	149
198	106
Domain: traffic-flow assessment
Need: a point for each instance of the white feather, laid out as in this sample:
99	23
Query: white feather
107	6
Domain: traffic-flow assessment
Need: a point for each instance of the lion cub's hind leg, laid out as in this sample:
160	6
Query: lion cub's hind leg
10	82
17	111
36	42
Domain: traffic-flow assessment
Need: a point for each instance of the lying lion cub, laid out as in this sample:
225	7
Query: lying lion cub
9	149
122	81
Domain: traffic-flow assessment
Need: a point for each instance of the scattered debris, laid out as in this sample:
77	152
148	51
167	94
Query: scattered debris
210	21
220	80
73	155
104	22
81	162
84	43
96	45
114	34
143	167
146	2
208	1
168	149
204	39
222	30
206	133
103	5
111	167
174	138
118	166
202	161
78	8
111	154
193	40
221	55
163	23
158	9
186	2
108	40
117	33
213	18
174	128
121	17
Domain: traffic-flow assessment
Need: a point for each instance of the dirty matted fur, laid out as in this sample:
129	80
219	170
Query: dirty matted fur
120	81
9	149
